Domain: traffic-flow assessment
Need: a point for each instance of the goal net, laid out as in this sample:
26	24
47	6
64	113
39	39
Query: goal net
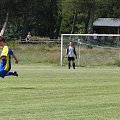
92	49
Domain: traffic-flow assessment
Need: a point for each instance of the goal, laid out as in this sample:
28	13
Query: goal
88	41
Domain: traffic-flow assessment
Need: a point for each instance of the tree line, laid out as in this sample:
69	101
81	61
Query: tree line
50	18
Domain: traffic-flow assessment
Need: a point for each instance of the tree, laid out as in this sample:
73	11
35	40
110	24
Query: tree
108	8
4	25
50	18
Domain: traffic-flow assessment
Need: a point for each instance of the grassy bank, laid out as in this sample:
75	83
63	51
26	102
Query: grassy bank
51	54
37	54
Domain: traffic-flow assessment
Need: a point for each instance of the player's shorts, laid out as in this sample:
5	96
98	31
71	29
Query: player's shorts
3	73
71	58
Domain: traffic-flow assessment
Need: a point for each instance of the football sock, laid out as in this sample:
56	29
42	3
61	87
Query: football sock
69	65
73	65
12	73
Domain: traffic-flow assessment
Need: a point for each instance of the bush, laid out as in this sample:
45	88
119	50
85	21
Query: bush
117	63
36	38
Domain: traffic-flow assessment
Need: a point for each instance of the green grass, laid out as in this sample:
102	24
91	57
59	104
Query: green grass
49	92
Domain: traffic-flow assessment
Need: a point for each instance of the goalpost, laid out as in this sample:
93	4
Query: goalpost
89	40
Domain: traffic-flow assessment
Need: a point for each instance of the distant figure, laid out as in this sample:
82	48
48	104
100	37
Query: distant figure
5	57
28	38
95	37
71	54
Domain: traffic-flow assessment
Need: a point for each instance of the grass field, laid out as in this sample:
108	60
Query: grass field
49	92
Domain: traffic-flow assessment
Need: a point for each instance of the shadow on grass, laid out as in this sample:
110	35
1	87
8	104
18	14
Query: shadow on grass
22	88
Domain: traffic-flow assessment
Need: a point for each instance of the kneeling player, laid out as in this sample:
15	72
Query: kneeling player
5	65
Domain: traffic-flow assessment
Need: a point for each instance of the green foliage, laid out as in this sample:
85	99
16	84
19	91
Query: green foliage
47	18
12	43
37	38
117	63
11	32
108	8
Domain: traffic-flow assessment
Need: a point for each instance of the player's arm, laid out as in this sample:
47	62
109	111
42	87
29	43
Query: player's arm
0	57
75	53
15	58
66	53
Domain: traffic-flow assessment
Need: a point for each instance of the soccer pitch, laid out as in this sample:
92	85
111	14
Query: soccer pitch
49	92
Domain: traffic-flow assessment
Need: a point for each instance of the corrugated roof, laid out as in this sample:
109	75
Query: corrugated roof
113	22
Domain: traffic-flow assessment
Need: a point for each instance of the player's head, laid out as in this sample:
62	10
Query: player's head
70	43
2	40
28	33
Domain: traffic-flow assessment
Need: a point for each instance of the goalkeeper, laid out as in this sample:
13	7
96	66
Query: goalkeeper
5	65
71	54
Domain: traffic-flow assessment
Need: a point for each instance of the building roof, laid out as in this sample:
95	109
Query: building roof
111	22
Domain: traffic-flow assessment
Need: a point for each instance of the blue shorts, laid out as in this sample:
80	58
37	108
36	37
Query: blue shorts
3	73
